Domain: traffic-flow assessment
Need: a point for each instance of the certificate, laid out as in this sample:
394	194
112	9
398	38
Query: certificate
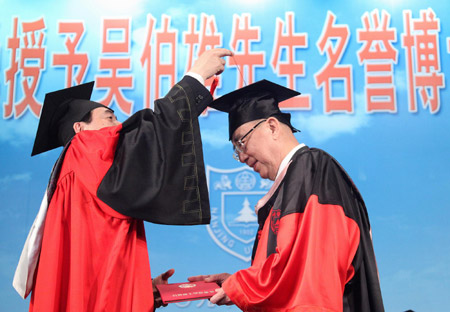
188	291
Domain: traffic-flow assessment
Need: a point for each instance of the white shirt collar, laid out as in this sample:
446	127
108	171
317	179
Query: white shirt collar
287	158
280	176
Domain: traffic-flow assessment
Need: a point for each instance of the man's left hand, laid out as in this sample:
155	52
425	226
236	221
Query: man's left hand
160	279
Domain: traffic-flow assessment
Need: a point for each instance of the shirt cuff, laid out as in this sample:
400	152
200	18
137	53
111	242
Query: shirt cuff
196	76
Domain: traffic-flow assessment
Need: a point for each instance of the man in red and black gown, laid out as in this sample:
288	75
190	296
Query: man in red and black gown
313	251
87	249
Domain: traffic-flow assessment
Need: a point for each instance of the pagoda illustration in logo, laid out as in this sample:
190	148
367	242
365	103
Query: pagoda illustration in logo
246	215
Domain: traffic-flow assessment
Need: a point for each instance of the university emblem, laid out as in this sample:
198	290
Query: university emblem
275	220
233	195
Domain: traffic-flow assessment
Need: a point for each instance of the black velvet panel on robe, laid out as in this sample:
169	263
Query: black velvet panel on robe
158	172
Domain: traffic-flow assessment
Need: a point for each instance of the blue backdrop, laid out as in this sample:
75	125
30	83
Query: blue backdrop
373	80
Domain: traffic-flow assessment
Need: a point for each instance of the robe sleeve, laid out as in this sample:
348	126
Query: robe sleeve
158	171
312	259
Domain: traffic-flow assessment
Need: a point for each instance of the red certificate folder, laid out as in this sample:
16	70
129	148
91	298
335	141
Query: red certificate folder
188	291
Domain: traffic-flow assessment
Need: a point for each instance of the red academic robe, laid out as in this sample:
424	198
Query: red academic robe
92	258
314	250
94	253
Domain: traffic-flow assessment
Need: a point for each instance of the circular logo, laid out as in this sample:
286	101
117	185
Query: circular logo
245	181
186	285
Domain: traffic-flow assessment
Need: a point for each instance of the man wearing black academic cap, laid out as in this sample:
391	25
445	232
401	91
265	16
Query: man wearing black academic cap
87	250
313	250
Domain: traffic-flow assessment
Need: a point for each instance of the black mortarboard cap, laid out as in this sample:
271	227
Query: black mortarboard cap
258	100
60	111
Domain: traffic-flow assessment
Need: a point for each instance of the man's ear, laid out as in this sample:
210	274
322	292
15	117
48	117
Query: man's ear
77	127
274	126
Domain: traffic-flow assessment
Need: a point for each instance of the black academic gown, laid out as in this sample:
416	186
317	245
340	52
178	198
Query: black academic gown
158	173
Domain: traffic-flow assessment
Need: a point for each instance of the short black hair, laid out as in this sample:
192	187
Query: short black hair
87	118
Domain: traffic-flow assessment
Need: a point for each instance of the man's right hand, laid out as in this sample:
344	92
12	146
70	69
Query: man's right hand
220	298
211	62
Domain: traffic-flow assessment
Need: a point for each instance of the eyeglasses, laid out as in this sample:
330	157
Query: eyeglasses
239	147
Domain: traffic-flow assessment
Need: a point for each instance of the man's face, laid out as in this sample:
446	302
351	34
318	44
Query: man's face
102	117
256	149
